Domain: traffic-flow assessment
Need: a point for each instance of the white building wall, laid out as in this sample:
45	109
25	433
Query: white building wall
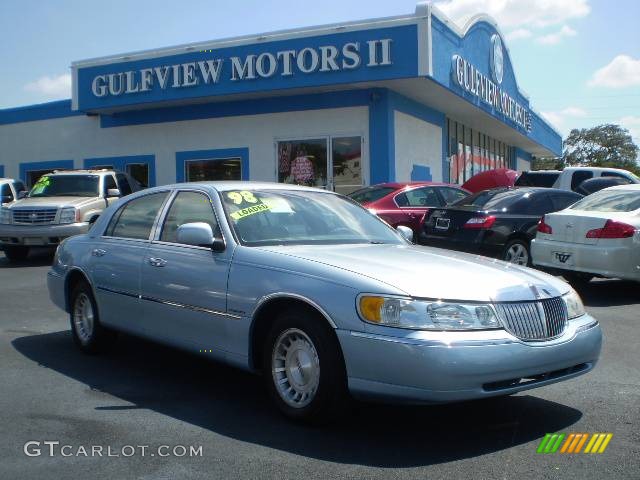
81	137
417	143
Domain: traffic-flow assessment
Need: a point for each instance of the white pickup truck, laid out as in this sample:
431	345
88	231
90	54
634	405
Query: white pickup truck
571	177
10	190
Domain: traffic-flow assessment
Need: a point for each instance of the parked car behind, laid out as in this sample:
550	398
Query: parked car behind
594	185
597	236
406	203
10	190
499	223
60	204
319	295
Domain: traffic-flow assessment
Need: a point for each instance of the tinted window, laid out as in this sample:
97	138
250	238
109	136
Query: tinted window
370	194
561	201
5	191
610	201
135	219
109	182
123	184
613	174
419	197
537	179
498	199
188	207
578	177
538	204
452	195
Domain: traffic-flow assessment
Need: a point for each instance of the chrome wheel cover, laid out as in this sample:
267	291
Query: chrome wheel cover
83	317
517	253
295	368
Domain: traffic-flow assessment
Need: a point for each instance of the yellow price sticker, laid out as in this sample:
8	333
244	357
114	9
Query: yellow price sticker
245	212
242	196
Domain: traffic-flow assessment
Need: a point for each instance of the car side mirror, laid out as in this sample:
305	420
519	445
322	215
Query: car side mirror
6	198
113	192
199	234
22	194
406	232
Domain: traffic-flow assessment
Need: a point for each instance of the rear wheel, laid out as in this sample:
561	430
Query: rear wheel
517	251
88	333
16	254
303	367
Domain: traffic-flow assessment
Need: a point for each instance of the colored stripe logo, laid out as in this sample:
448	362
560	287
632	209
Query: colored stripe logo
574	443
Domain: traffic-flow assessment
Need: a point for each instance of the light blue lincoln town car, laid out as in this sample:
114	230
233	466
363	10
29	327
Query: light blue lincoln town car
319	295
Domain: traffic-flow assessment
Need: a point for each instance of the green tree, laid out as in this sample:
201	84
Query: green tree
606	145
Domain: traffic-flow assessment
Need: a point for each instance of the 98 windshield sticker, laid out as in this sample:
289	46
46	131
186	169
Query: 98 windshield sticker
245	197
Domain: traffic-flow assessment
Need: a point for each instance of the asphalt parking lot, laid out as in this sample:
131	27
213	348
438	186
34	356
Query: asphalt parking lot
145	394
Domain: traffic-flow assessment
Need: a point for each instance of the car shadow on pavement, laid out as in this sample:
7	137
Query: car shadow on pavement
609	293
39	257
233	403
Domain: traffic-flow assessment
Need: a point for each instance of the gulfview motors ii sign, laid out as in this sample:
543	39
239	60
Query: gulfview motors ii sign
469	78
284	63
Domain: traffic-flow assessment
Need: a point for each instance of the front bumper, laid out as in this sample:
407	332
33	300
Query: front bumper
445	367
606	261
39	235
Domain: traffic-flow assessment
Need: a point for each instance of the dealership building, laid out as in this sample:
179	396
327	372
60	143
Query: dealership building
412	97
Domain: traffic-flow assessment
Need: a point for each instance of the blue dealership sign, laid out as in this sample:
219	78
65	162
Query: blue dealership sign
345	57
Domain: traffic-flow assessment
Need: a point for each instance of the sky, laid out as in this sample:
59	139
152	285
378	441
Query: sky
578	60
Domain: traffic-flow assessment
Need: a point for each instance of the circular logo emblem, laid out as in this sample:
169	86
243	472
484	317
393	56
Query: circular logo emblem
497	58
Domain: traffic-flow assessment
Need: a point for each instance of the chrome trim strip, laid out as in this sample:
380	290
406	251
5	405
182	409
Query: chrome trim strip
170	303
433	343
297	297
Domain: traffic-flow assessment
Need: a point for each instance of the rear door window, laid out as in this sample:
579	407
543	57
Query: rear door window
451	195
539	204
135	219
419	198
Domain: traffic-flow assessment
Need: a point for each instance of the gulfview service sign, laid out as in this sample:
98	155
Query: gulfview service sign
343	57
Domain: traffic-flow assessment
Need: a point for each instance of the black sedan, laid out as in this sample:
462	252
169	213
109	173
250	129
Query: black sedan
499	223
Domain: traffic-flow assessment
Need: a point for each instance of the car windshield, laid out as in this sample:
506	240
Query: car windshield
370	194
610	201
490	199
66	186
294	217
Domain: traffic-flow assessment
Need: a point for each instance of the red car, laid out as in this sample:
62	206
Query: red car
406	203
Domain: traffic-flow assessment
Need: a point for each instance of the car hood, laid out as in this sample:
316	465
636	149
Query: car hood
53	202
428	272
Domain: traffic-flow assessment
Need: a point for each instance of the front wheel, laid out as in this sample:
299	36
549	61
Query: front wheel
517	251
88	333
303	367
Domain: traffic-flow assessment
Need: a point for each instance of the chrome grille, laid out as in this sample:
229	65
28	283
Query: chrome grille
34	215
538	320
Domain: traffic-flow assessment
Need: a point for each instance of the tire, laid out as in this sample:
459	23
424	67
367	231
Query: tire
16	254
302	355
517	251
87	331
577	279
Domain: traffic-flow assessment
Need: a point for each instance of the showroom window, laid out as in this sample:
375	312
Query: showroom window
334	163
213	169
471	152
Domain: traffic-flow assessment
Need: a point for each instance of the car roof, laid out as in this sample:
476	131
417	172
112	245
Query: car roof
598	169
399	185
83	171
631	186
228	185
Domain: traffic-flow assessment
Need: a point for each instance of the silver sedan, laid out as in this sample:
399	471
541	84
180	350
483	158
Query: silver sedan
320	296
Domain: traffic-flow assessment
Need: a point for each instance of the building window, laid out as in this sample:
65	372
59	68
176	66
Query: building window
303	162
140	167
346	155
213	169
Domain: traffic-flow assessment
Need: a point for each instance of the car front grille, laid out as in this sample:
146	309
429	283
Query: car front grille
34	215
537	320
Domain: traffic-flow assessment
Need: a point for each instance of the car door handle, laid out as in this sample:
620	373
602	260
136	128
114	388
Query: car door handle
157	262
98	252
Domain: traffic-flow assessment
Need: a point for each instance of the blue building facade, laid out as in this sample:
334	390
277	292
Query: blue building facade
412	97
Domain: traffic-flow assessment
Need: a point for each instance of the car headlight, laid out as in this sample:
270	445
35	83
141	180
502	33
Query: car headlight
427	315
68	215
572	300
5	216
